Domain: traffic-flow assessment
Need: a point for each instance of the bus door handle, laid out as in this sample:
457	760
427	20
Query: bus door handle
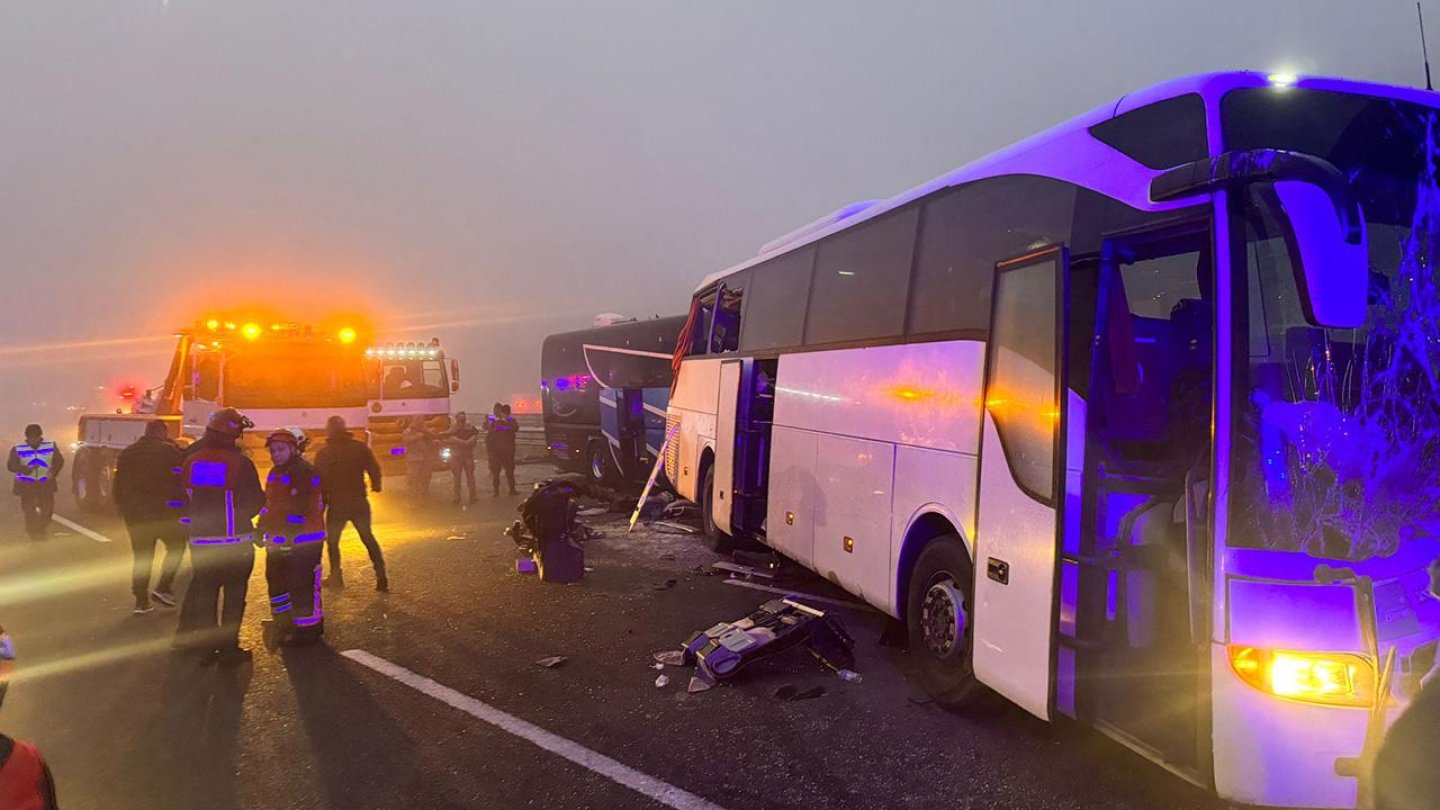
998	570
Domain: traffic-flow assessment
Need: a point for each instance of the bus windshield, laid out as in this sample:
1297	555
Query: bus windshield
292	375
1337	449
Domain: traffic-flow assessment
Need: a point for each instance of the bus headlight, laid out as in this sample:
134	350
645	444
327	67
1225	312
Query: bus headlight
1330	679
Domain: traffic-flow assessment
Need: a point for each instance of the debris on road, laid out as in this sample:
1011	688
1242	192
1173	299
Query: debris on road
664	586
849	675
743	570
721	651
790	693
662	681
672	527
526	565
551	662
548	532
593	511
456	537
670	658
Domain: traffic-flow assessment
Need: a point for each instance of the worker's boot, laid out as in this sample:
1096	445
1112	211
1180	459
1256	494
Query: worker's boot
335	582
382	582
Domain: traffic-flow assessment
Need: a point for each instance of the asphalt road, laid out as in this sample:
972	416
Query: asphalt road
125	723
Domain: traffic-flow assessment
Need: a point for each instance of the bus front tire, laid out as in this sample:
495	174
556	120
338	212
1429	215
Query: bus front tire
939	620
715	540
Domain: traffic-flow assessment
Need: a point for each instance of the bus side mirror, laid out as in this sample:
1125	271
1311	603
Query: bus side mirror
1333	256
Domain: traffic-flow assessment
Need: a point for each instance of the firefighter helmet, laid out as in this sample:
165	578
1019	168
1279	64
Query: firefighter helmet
292	436
229	422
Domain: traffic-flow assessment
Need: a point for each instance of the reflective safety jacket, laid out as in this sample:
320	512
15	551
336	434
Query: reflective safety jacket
25	782
294	512
223	491
35	465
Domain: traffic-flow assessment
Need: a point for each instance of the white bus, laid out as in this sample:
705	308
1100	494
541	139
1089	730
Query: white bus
1134	422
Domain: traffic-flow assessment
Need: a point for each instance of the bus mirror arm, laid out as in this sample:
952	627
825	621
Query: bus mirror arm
1261	165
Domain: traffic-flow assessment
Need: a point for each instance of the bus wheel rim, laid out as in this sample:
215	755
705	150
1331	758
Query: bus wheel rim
942	618
597	465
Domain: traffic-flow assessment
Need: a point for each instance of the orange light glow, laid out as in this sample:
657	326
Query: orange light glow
212	324
346	335
251	331
230	325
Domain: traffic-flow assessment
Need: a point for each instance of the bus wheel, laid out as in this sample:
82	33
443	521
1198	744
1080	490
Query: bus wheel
599	466
716	540
940	624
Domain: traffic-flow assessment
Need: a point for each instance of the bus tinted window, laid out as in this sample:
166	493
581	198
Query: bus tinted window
1160	135
775	314
966	231
861	278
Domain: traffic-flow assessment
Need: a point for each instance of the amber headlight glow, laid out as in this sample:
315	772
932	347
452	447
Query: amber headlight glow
1331	679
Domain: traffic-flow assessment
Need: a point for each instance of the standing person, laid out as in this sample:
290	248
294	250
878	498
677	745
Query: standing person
25	781
293	530
224	497
500	446
150	496
463	439
343	464
36	464
419	453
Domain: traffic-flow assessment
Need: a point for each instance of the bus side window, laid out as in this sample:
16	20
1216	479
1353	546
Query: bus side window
725	334
700	338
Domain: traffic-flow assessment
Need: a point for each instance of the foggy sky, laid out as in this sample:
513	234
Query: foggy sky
492	172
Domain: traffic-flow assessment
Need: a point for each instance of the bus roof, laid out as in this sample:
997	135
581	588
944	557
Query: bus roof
1070	153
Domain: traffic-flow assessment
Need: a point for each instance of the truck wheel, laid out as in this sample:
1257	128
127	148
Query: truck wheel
104	481
940	621
715	540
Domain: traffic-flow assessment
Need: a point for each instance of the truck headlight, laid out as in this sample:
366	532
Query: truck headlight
445	453
1330	679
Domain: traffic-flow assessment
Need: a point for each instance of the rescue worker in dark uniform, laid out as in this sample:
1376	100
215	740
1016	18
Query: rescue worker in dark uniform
343	463
292	526
224	496
463	439
500	446
36	464
150	497
25	781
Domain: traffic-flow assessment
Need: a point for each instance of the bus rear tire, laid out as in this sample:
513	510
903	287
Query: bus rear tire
939	618
715	540
598	464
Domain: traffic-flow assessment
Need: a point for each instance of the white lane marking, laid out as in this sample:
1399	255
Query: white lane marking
662	792
93	535
740	583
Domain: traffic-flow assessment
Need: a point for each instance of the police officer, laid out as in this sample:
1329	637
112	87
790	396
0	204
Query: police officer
293	530
150	498
463	438
25	781
500	446
36	464
224	497
343	463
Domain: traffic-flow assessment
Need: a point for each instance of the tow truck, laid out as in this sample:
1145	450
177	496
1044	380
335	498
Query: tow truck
278	373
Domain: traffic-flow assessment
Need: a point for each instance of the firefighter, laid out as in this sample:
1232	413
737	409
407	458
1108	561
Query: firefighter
500	446
224	496
25	781
150	497
36	464
463	439
343	464
292	526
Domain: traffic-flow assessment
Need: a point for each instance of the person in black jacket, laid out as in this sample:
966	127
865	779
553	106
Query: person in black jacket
343	464
224	496
150	497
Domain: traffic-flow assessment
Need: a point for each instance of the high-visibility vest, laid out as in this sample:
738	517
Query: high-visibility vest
37	462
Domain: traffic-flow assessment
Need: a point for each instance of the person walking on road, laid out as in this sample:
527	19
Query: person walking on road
343	464
463	439
36	464
293	530
224	496
25	780
150	497
500	447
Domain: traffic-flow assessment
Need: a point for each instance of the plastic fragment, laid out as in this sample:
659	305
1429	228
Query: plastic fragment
662	681
551	662
849	675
